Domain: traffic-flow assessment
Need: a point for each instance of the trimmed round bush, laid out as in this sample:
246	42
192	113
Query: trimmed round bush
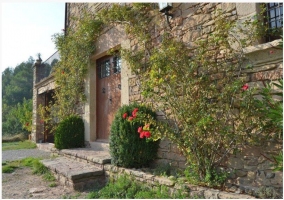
70	133
127	148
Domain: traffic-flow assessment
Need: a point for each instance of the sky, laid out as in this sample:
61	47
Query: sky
27	28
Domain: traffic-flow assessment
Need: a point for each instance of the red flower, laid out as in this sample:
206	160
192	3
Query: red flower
245	87
142	134
27	124
62	72
147	134
134	112
124	115
140	129
130	118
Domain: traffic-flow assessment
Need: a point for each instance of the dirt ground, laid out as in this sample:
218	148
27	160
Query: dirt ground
22	184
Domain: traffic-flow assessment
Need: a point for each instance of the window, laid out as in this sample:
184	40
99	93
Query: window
108	66
275	15
274	20
116	65
104	68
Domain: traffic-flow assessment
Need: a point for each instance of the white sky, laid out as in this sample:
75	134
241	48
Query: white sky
27	28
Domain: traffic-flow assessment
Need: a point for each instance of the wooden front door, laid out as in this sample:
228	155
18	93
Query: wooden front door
108	94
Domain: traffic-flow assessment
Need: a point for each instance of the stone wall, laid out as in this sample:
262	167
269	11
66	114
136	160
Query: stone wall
153	181
194	21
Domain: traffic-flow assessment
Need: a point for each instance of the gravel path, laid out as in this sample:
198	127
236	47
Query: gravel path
10	155
23	184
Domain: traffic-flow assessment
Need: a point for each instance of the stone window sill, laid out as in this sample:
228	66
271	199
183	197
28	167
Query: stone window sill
261	47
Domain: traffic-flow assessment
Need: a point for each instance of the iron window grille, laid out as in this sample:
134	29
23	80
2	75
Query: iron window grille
116	65
109	66
274	20
104	69
275	15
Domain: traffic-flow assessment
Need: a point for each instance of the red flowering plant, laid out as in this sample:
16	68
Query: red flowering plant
131	140
145	121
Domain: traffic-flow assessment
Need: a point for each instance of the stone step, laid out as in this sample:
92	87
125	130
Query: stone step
100	145
75	174
98	158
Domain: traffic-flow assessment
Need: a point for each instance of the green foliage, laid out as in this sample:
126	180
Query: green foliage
127	149
75	48
17	118
271	108
52	185
11	125
29	162
38	167
17	83
48	176
70	133
212	178
8	168
24	114
16	89
125	187
199	94
162	170
278	160
18	145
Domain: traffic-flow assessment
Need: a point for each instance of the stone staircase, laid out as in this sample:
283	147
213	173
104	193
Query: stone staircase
80	167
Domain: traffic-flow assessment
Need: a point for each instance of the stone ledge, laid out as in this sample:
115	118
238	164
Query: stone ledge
260	47
152	181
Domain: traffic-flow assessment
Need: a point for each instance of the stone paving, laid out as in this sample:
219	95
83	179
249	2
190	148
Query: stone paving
78	167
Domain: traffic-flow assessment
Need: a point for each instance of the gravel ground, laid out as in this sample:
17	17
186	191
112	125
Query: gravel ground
10	155
23	184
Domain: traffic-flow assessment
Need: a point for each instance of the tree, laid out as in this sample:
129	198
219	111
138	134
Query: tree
17	92
17	83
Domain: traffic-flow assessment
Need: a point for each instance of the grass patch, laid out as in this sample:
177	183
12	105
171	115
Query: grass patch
10	166
34	163
8	169
18	145
126	188
52	184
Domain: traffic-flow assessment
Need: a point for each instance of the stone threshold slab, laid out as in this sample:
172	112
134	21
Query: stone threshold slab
73	170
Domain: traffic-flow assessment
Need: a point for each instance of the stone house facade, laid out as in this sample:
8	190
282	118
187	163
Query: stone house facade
106	92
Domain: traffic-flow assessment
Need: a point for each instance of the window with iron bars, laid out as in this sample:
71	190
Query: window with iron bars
108	66
274	20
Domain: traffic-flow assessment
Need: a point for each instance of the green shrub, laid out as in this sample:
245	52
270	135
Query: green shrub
127	149
69	133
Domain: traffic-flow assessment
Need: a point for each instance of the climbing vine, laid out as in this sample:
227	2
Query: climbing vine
75	47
